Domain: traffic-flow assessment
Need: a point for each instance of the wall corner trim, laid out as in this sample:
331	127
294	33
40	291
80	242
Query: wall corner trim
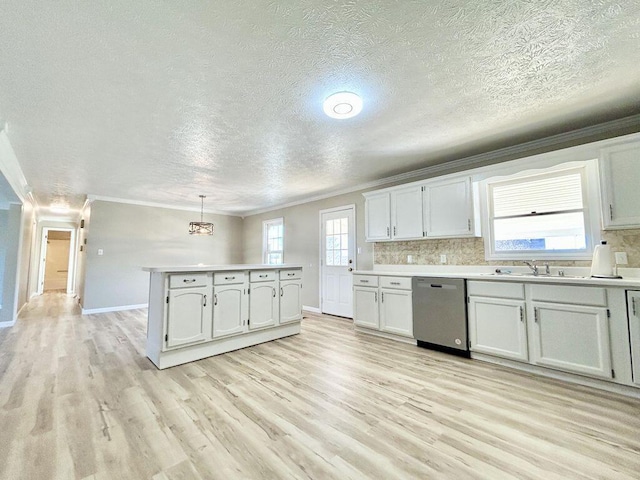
117	308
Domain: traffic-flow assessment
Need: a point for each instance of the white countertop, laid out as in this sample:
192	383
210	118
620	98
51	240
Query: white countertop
574	275
217	268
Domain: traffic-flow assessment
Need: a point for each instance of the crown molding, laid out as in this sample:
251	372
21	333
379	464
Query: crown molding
10	168
91	198
543	145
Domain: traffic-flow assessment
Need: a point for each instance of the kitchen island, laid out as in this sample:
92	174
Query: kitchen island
196	311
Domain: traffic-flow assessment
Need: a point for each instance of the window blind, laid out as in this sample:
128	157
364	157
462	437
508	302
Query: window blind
540	195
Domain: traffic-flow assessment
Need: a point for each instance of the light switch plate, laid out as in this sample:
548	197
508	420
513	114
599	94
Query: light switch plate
443	259
621	258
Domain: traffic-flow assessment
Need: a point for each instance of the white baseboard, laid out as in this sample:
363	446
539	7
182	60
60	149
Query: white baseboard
7	324
119	308
305	308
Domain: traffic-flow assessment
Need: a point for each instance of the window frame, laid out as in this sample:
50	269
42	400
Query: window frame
590	198
265	240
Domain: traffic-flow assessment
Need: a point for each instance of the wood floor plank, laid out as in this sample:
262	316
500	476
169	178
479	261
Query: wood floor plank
79	400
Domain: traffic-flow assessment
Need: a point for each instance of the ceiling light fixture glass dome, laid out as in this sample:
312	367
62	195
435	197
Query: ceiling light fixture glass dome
342	105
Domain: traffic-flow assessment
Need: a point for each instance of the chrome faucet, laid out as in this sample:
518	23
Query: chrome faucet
532	265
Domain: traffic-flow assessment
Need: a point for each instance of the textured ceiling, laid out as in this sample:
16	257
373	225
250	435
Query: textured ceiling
161	101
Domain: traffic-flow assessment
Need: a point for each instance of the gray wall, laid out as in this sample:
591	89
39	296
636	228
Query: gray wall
4	228
11	265
302	239
133	236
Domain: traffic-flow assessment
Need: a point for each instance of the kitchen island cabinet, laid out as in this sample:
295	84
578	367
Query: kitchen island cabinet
199	311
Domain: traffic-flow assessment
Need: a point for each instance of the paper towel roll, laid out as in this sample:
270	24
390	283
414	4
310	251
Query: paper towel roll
602	266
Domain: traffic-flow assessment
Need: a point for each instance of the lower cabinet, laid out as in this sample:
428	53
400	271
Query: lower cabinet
383	303
497	327
290	296
188	316
365	307
263	305
230	309
633	316
571	337
396	311
563	327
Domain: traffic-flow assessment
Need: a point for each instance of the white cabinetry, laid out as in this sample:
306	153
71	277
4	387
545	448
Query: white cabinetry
619	178
432	209
396	308
633	305
377	219
572	338
406	213
497	319
290	296
448	208
365	301
230	305
263	300
383	303
188	310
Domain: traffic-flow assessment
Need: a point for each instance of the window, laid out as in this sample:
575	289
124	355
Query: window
337	242
273	241
543	215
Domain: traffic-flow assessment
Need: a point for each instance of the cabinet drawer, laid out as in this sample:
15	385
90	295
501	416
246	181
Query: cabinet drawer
182	280
290	274
569	294
366	280
228	278
403	283
262	276
495	289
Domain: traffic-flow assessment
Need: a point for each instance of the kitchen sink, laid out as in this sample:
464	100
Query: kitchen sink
530	274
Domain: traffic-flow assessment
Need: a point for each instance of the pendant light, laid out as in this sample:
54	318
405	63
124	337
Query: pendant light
201	227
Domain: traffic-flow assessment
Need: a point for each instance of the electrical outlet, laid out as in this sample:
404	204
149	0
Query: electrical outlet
443	259
409	258
621	258
100	251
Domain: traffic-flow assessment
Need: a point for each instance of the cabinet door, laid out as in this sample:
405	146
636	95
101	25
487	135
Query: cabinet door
188	316
406	213
448	209
497	327
290	301
263	305
396	312
572	338
620	177
229	309
377	217
365	307
633	302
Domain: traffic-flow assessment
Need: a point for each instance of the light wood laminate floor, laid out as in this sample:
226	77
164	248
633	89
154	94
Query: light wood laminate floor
79	399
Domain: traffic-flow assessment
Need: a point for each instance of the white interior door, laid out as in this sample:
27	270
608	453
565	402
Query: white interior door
338	242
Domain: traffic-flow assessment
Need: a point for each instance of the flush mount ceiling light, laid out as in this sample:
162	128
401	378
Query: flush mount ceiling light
201	227
342	105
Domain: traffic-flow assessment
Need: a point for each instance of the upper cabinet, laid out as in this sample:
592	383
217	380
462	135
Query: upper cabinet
406	213
448	208
435	209
377	219
619	178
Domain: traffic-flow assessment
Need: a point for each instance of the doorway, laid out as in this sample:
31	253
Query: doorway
337	260
57	260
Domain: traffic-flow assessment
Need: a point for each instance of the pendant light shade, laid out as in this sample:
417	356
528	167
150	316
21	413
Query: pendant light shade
201	227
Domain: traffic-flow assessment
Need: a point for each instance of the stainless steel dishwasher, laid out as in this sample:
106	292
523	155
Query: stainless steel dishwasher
440	314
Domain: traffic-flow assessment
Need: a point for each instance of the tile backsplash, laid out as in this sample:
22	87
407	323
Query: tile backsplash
470	251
